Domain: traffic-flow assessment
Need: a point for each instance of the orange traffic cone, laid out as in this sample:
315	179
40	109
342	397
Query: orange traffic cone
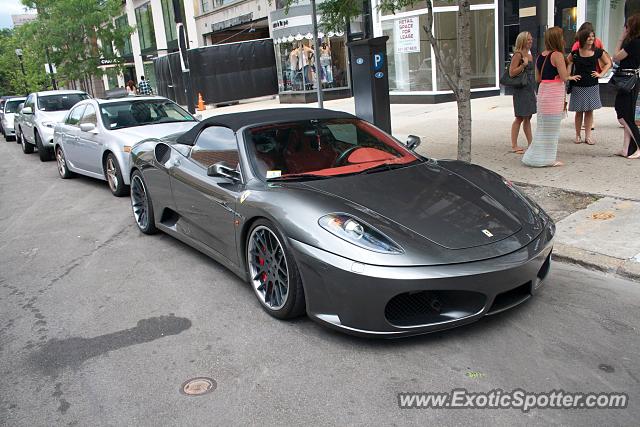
200	102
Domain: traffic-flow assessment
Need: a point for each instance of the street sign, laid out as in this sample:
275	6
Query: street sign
47	69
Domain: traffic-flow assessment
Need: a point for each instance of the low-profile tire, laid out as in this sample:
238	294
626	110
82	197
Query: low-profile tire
63	168
44	153
114	176
26	147
273	271
141	204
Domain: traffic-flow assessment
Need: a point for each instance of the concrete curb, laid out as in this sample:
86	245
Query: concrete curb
595	261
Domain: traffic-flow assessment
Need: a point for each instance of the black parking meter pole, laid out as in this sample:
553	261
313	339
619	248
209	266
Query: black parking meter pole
370	79
183	45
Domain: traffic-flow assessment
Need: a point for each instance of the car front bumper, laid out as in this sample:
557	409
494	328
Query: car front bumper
380	301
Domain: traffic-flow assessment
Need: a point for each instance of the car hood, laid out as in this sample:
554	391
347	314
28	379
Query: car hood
138	133
433	202
52	116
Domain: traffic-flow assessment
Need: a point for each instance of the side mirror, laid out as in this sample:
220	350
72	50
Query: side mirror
27	110
413	142
87	127
224	170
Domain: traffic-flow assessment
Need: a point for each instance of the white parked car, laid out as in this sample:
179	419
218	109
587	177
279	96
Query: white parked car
41	111
96	136
9	111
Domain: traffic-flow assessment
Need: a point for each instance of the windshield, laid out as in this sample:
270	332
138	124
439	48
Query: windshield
126	114
12	106
322	148
60	102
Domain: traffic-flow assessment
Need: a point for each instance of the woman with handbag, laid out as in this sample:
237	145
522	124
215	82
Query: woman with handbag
524	97
551	73
628	54
585	93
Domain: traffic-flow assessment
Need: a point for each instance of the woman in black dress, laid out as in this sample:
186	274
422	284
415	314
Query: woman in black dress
590	63
628	54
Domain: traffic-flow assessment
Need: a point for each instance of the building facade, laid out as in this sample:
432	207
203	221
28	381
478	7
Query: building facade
229	21
155	35
607	16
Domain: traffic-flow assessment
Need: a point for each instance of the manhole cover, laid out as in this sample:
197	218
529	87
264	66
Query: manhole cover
198	386
602	215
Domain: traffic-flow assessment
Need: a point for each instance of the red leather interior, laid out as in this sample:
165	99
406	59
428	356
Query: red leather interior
306	153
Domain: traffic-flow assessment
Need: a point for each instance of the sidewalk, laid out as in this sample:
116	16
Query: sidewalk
604	234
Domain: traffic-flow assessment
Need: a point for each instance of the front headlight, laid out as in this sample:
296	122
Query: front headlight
358	233
50	125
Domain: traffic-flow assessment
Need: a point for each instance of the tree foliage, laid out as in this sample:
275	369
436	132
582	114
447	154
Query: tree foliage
70	29
12	81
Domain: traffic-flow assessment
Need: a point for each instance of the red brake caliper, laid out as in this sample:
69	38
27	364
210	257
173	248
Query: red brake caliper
261	260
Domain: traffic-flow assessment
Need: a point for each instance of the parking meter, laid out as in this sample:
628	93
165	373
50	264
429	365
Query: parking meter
370	81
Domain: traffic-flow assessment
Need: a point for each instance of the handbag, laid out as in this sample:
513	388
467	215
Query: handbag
624	79
519	81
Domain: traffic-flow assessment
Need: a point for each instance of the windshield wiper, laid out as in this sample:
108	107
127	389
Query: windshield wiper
298	176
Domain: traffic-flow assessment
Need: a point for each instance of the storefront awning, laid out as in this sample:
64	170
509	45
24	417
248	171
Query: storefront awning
296	25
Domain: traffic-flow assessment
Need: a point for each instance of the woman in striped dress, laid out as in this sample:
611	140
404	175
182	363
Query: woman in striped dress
552	73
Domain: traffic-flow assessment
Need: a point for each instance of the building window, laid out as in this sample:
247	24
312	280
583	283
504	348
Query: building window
169	18
122	22
146	32
411	61
206	6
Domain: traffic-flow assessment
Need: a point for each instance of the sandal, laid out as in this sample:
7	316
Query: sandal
517	150
635	155
589	141
578	140
557	163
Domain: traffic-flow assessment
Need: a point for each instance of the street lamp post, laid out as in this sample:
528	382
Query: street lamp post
24	75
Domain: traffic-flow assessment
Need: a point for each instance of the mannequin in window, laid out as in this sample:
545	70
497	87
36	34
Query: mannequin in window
325	63
300	60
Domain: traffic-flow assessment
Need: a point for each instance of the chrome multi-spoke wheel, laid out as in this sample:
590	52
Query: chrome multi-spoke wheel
141	205
268	268
113	173
63	169
112	177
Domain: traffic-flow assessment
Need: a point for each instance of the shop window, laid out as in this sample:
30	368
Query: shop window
146	32
483	64
409	54
296	64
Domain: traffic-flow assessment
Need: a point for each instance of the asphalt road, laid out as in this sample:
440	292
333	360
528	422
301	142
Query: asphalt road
100	325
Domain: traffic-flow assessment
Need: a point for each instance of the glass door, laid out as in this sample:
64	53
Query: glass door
566	17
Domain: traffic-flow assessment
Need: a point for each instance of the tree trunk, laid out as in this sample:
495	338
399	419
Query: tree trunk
463	96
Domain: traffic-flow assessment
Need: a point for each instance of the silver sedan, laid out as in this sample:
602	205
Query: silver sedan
96	136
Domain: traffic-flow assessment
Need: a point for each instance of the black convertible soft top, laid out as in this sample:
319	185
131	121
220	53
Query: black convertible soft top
236	121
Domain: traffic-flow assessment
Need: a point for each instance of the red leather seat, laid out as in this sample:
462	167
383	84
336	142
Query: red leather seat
304	153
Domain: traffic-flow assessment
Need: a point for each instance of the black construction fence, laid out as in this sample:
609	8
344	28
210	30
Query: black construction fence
221	73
